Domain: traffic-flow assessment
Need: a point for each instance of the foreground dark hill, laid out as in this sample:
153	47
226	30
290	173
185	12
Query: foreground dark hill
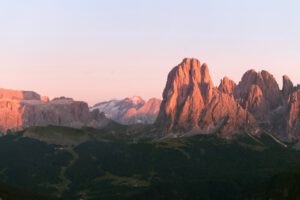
13	193
94	164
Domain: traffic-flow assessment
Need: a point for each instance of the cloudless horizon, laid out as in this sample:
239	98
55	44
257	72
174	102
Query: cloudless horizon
100	50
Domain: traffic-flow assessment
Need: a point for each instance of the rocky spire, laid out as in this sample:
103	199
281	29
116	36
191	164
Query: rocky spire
188	89
191	102
292	116
227	85
287	86
267	84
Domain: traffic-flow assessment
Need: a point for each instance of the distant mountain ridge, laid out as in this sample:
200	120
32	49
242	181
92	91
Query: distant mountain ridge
22	109
191	103
130	110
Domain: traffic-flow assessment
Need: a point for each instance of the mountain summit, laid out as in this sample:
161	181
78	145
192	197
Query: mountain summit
23	109
130	110
191	103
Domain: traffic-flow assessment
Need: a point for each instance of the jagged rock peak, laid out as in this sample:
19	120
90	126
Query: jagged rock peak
292	116
189	88
23	109
227	85
205	75
287	86
190	102
265	81
194	67
130	110
191	71
256	103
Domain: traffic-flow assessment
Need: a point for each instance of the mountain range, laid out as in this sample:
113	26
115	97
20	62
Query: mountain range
130	110
23	109
202	141
191	104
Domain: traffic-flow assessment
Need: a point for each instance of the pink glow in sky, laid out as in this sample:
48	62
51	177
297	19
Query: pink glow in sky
99	50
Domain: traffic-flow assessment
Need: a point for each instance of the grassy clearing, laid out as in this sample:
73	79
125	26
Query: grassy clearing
134	181
63	185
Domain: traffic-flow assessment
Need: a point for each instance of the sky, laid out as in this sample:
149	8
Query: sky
96	50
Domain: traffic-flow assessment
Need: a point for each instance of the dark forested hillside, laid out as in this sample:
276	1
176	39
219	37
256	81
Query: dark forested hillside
199	167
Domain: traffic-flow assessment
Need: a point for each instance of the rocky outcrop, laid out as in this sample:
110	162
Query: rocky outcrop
224	116
256	103
192	105
18	95
188	90
259	93
265	82
276	110
191	102
287	87
227	85
130	110
293	115
19	110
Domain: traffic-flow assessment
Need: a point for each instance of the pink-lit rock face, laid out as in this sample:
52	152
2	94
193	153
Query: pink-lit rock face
45	99
188	89
191	103
267	84
18	95
10	115
256	103
12	109
145	114
19	110
227	85
225	115
259	93
287	86
293	115
130	110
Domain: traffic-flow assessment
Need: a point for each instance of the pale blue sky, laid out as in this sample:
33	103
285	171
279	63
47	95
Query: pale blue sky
97	50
